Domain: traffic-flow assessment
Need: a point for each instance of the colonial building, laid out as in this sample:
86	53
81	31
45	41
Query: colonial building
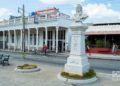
108	33
48	26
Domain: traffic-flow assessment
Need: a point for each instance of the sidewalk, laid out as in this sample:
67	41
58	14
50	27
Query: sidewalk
92	56
47	76
104	56
66	55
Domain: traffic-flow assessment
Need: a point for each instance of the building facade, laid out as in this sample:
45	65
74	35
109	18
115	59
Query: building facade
107	33
48	26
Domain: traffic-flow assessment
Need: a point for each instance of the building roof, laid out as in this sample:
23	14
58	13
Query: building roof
103	28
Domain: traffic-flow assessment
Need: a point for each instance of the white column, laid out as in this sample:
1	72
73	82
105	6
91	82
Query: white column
57	39
66	39
3	40
9	43
53	40
28	40
14	40
36	38
21	39
46	35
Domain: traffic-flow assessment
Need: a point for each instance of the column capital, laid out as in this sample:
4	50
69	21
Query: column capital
36	27
57	27
45	27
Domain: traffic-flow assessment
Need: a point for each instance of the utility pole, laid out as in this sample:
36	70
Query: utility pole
22	10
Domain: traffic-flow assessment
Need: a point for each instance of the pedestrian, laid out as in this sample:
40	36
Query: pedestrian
88	49
45	49
114	49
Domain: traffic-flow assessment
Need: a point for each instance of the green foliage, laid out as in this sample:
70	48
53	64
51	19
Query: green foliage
99	43
88	42
27	66
91	73
108	45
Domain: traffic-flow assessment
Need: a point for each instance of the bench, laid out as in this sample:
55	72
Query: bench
1	56
5	60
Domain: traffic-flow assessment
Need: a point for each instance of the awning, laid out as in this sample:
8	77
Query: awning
103	30
102	33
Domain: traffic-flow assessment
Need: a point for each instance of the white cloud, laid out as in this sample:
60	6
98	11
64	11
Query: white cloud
62	1
101	12
4	13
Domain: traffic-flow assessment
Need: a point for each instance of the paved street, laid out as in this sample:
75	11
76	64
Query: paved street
47	76
100	65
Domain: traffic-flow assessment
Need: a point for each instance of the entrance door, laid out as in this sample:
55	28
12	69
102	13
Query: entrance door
6	41
61	46
49	43
61	41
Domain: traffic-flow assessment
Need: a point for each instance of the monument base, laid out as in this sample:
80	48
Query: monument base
77	64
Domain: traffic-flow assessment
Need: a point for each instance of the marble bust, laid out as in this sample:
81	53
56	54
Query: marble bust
79	16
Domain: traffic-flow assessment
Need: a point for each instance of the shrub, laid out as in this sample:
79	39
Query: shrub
108	45
27	66
91	73
99	43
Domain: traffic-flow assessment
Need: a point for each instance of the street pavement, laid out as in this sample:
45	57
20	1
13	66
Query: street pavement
50	66
99	64
47	76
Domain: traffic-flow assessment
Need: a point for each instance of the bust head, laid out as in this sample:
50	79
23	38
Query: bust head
79	9
79	16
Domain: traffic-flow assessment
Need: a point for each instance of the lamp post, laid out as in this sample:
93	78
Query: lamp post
22	11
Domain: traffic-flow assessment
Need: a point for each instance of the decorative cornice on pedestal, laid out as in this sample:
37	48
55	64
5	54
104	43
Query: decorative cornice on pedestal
79	26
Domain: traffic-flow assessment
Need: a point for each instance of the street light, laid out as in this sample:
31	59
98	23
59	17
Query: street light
22	11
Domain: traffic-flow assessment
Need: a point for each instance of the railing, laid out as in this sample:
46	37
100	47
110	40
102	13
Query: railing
29	20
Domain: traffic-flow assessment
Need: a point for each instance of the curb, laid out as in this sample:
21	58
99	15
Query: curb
72	81
102	58
103	74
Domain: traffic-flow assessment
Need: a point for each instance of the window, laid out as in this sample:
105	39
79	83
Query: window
49	35
43	35
30	38
12	38
34	39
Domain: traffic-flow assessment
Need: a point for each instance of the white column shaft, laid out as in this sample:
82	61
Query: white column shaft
9	42
57	39
37	38
46	35
21	39
14	40
28	40
3	39
53	40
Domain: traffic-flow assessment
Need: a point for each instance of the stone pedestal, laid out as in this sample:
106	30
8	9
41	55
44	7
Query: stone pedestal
77	62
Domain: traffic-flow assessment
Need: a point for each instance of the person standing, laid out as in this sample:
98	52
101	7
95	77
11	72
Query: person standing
45	49
114	49
88	49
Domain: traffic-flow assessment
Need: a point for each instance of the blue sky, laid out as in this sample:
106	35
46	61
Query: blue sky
97	10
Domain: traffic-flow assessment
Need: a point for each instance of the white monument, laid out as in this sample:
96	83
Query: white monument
77	62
